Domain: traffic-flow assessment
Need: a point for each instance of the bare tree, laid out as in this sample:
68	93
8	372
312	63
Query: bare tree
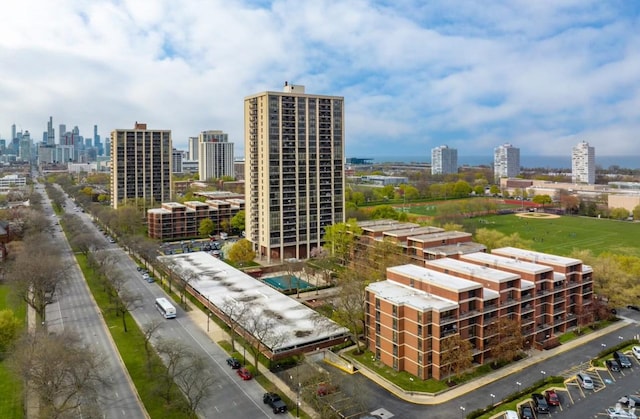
264	335
62	372
128	301
195	381
186	277
233	312
148	331
37	275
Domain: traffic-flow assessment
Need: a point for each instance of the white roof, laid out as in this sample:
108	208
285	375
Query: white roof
497	262
441	280
222	284
400	294
476	271
536	256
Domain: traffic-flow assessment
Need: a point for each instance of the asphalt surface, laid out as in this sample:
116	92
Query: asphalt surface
75	310
230	397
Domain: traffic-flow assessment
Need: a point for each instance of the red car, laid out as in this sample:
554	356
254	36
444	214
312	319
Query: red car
245	374
552	398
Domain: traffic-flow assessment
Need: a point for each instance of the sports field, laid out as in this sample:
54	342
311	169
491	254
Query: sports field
564	234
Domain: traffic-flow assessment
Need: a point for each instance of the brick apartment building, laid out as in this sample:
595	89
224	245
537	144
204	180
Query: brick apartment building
174	221
453	287
409	314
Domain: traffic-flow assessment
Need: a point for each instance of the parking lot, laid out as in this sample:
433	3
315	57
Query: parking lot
608	388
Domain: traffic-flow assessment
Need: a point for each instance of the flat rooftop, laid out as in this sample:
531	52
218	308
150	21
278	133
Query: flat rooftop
439	236
413	231
294	324
382	228
455	249
530	255
439	279
403	295
499	262
471	269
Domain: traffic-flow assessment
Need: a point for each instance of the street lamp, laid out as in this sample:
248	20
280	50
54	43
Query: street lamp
493	398
620	337
462	409
411	385
208	317
519	384
604	345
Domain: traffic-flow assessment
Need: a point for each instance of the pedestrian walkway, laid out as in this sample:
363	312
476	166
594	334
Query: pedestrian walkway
218	334
473	385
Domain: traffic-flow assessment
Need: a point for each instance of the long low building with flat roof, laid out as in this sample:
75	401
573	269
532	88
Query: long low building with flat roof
281	324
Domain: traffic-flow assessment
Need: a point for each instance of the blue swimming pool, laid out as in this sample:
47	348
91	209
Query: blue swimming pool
283	283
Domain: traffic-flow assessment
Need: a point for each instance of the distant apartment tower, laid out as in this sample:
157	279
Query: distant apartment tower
176	161
444	160
51	134
215	155
506	161
294	170
141	165
583	163
193	148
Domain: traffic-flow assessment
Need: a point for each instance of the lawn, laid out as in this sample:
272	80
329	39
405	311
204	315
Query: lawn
562	235
10	387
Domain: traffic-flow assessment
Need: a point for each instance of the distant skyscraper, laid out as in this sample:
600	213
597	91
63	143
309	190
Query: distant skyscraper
193	148
444	160
215	155
62	130
294	170
13	132
141	165
51	132
583	163
25	147
506	161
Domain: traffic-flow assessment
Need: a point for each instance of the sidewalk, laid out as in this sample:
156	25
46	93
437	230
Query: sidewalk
217	334
474	385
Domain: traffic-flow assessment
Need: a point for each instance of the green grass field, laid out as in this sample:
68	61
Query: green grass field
562	235
10	387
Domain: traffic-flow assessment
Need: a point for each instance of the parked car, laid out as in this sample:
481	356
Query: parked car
275	402
526	412
511	414
615	413
145	276
233	363
585	381
552	398
150	279
622	359
539	403
629	401
636	352
244	373
633	307
612	365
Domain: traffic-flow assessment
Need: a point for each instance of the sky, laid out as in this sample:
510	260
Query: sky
542	75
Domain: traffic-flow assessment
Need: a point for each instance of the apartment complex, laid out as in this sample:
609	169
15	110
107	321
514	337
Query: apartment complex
444	160
506	161
215	155
175	221
409	315
294	170
583	163
141	165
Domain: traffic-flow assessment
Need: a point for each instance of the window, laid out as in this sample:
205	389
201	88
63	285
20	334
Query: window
394	310
419	330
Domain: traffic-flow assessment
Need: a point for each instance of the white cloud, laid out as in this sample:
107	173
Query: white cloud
536	74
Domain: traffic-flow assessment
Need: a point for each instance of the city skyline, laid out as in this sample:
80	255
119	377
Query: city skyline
541	76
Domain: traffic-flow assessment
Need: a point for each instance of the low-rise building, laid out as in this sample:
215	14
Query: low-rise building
174	221
409	315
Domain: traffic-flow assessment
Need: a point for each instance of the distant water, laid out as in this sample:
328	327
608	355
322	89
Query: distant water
549	162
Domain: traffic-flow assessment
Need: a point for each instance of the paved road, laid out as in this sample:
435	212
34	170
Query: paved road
566	364
75	310
231	397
